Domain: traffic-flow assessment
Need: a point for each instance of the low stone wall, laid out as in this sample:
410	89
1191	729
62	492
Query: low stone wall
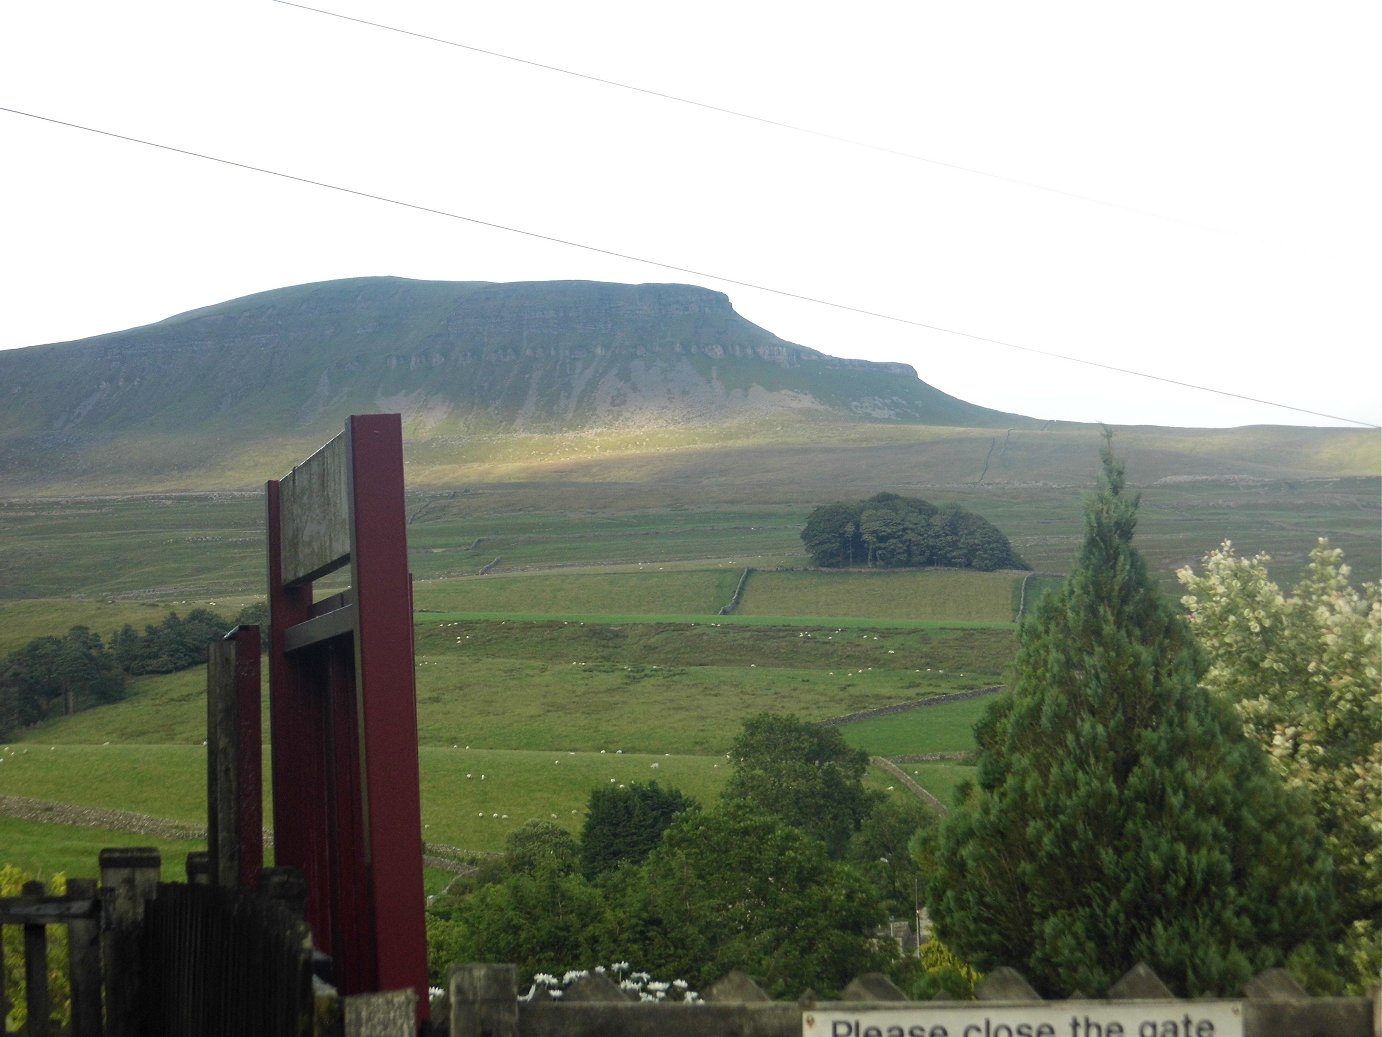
484	1001
907	707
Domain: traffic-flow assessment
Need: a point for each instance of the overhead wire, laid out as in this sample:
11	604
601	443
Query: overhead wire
710	275
734	112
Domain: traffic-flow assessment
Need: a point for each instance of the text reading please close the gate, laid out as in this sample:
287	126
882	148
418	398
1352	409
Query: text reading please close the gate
1143	1019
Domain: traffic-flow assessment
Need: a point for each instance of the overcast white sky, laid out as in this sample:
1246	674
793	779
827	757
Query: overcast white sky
1187	190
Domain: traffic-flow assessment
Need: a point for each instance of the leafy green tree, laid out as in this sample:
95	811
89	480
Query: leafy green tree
179	642
804	774
831	536
1304	671
127	649
735	888
256	613
622	825
881	851
539	920
1120	815
892	531
64	674
538	845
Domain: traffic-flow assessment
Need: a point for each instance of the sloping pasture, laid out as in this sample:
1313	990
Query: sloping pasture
471	797
950	595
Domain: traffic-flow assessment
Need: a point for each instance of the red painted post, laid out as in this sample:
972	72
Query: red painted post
386	674
296	723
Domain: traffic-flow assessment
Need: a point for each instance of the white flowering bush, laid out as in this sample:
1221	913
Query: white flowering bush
1305	672
548	985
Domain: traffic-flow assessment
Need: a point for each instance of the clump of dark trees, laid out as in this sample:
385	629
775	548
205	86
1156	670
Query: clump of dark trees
52	676
889	531
787	877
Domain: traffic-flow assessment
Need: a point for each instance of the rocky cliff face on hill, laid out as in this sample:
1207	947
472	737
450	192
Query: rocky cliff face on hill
454	357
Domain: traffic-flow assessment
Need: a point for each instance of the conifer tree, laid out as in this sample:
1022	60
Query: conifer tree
1119	814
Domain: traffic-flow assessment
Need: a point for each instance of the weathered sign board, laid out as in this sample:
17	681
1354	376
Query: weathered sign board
1058	1019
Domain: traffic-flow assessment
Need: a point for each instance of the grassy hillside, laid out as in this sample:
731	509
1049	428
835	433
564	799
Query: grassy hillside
643	389
187	550
522	719
199	399
593	650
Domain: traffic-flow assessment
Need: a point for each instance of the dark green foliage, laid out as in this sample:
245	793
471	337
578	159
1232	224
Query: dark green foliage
831	536
57	675
734	888
693	894
881	852
540	920
622	825
174	644
77	671
1120	815
724	889
255	614
541	845
804	774
889	531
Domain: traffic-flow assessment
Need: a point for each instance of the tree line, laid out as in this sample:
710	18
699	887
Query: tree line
57	676
890	531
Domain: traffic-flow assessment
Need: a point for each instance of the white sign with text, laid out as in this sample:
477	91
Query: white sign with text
1050	1019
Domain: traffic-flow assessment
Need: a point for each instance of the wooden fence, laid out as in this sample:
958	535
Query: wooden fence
79	910
154	959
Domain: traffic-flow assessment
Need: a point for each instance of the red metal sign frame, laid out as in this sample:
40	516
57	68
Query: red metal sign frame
343	707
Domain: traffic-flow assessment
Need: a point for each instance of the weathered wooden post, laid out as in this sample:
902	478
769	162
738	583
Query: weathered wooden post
484	1000
129	878
343	707
36	997
234	753
84	962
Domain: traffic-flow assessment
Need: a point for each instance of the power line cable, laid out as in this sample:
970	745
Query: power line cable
679	269
735	113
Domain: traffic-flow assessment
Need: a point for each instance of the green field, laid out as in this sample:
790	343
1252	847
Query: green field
592	650
513	729
944	728
947	595
471	797
182	551
44	850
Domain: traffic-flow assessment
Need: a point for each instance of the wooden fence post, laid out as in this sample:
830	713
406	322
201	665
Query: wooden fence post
286	886
84	963
36	968
129	877
234	809
199	868
389	1014
484	1000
